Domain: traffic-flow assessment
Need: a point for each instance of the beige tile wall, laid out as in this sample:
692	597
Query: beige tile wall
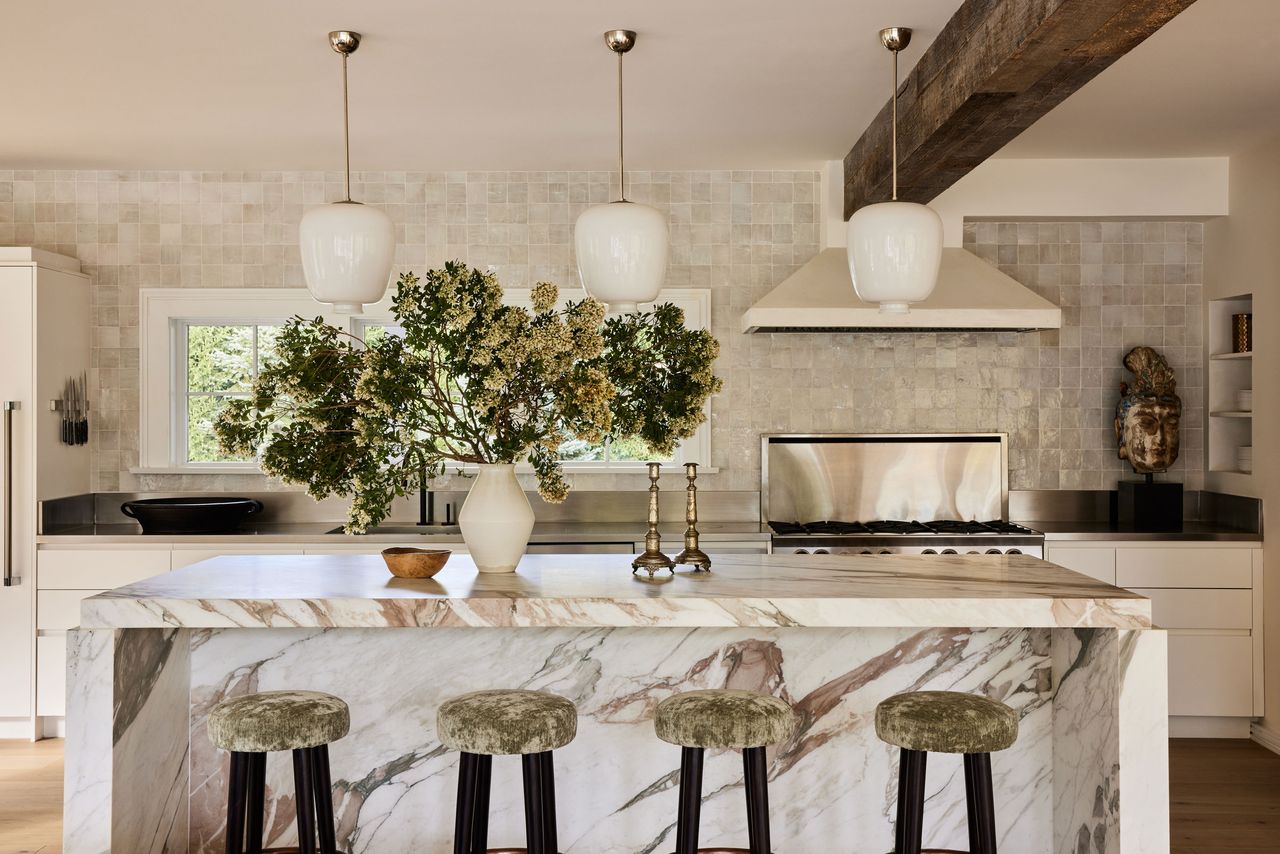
738	233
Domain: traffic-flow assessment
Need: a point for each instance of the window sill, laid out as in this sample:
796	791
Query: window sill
569	468
225	468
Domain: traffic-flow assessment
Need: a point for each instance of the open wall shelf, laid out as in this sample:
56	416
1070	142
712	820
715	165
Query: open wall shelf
1230	427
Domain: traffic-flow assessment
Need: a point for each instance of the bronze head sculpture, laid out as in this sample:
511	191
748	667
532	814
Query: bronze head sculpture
1147	415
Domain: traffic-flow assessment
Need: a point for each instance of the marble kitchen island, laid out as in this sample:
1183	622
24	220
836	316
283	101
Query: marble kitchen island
833	635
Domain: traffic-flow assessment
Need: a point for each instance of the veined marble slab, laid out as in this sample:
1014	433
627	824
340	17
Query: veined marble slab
599	591
832	785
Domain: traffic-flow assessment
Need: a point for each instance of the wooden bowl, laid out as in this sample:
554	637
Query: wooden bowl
415	563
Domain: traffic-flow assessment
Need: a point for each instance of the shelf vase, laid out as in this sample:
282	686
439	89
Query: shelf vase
496	519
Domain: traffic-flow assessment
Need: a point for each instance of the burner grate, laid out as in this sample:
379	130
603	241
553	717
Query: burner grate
949	527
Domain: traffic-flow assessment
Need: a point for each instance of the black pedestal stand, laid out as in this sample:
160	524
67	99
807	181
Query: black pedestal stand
1149	506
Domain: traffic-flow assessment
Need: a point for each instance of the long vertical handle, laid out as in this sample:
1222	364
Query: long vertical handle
9	407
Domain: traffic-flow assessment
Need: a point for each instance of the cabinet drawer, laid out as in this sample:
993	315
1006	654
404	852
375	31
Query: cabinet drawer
1211	675
1097	563
51	675
59	610
85	569
1184	567
1189	608
186	557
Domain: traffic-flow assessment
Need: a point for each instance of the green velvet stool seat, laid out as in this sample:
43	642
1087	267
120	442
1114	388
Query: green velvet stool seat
924	722
724	719
253	725
528	724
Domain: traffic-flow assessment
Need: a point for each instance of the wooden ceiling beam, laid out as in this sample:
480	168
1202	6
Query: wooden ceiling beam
996	67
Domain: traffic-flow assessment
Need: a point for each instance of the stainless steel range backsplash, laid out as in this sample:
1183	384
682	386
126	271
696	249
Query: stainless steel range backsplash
738	233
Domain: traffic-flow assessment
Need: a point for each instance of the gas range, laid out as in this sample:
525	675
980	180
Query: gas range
894	480
888	536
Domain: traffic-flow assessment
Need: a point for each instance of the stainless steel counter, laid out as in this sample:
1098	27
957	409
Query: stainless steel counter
1191	532
321	532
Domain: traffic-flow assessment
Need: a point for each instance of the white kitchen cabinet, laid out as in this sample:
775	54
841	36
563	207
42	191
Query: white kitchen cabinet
51	675
44	341
1099	563
1193	565
65	575
1208	595
1210	676
184	556
86	568
376	548
59	610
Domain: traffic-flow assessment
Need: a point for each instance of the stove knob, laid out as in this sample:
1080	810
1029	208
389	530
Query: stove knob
865	552
802	551
949	551
821	552
972	552
994	551
885	552
1014	552
928	552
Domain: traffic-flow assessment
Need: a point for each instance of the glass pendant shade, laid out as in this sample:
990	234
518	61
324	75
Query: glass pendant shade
622	254
347	248
347	253
895	249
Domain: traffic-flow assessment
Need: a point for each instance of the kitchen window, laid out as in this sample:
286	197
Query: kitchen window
219	361
203	346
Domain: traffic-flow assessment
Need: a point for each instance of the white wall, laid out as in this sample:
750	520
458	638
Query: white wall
1180	188
1242	255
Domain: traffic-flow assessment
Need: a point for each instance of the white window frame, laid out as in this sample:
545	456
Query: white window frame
165	312
164	315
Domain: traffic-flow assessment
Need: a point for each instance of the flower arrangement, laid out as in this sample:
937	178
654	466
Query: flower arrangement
471	380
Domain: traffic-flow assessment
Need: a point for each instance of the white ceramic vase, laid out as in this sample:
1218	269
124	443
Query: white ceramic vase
496	519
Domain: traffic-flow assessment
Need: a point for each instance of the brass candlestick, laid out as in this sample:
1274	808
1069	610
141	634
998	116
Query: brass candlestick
653	559
692	555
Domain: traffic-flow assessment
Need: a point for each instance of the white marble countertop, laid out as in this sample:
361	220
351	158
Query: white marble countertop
279	591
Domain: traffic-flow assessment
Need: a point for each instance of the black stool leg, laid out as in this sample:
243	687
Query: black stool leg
756	779
534	810
981	803
549	832
690	800
236	805
257	801
465	815
480	820
909	829
305	799
323	789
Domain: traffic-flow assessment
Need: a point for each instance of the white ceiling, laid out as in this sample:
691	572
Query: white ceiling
253	85
1206	84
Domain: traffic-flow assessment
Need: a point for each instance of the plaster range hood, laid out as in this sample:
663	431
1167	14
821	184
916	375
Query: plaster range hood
971	296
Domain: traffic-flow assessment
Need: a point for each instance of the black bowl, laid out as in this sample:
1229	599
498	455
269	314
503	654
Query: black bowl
200	515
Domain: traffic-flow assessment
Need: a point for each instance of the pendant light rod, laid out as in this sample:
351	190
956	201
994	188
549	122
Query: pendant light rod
895	39
345	42
620	41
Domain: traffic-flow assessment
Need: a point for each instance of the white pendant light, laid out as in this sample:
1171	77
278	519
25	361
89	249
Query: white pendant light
347	248
894	247
622	246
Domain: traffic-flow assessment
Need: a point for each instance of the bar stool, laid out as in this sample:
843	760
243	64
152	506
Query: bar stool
485	724
924	722
253	725
697	721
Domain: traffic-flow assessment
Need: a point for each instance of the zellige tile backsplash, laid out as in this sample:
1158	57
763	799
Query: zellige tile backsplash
1120	284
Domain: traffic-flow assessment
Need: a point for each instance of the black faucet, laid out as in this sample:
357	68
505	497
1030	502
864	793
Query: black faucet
426	499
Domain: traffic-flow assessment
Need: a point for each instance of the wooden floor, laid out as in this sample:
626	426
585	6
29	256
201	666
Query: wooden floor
31	797
1225	797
